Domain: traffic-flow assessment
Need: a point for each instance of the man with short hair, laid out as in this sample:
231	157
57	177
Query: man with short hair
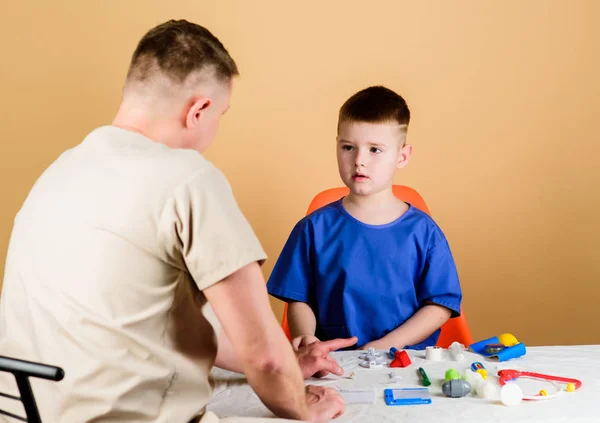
130	253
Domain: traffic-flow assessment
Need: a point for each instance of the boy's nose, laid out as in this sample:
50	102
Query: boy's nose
359	161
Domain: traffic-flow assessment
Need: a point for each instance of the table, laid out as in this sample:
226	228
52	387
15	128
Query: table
234	397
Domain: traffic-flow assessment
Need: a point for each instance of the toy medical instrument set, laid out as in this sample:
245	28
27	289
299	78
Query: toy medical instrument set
476	379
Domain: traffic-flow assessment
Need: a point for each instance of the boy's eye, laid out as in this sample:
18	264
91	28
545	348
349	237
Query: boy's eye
347	147
375	150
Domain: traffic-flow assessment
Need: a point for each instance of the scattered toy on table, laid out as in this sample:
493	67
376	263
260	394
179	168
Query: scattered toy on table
508	375
511	374
456	388
371	364
401	358
457	351
479	386
451	374
508	339
486	390
394	377
511	394
494	348
433	353
371	354
357	396
478	368
407	396
423	376
503	347
371	359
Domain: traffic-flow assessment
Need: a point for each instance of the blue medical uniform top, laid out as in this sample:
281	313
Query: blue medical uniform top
366	280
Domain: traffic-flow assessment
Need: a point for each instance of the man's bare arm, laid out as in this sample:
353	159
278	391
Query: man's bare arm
241	304
226	358
313	358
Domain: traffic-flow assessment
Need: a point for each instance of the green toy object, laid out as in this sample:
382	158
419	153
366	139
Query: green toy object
452	374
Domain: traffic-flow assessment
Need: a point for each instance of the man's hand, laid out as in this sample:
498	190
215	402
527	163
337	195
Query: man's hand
324	404
314	359
303	341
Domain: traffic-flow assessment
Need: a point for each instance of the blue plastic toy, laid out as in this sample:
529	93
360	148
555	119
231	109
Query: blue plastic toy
493	348
407	396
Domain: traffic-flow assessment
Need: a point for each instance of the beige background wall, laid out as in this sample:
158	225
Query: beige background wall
505	97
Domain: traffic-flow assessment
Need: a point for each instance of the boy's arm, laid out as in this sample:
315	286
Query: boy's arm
302	323
416	329
292	281
439	293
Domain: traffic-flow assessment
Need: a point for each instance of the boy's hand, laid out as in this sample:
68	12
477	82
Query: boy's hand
380	344
303	341
314	359
324	404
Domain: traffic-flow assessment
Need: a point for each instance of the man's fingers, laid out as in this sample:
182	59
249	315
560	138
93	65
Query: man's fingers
319	375
330	366
336	344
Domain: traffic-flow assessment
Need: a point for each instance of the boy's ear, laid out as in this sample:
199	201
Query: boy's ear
404	156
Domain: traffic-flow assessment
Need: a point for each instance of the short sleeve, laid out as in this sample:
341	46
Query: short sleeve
292	278
203	225
439	281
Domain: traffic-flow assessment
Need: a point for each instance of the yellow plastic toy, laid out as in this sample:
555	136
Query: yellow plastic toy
508	339
483	373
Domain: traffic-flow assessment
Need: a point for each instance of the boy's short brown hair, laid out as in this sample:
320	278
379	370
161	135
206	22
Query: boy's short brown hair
375	104
178	48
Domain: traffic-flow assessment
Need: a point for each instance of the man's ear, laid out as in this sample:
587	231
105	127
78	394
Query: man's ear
404	156
195	110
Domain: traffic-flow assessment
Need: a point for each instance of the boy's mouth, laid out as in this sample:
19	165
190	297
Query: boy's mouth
359	177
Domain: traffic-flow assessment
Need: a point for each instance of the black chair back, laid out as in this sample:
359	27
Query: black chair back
22	371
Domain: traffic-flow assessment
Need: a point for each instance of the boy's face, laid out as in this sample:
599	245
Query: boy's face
368	155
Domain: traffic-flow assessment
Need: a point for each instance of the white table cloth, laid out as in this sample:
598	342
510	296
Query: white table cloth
234	397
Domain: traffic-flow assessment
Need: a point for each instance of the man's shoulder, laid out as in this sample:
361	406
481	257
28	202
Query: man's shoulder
153	160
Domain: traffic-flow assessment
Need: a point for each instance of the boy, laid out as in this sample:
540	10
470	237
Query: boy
368	265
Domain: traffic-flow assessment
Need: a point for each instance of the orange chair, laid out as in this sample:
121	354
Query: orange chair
455	329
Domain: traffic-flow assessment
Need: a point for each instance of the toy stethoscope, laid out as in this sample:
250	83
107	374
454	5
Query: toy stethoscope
510	374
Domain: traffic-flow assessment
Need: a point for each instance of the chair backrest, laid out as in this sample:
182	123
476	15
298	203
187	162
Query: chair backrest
22	371
455	329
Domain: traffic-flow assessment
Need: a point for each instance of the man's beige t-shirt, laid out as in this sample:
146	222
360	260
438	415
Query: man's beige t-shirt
106	264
